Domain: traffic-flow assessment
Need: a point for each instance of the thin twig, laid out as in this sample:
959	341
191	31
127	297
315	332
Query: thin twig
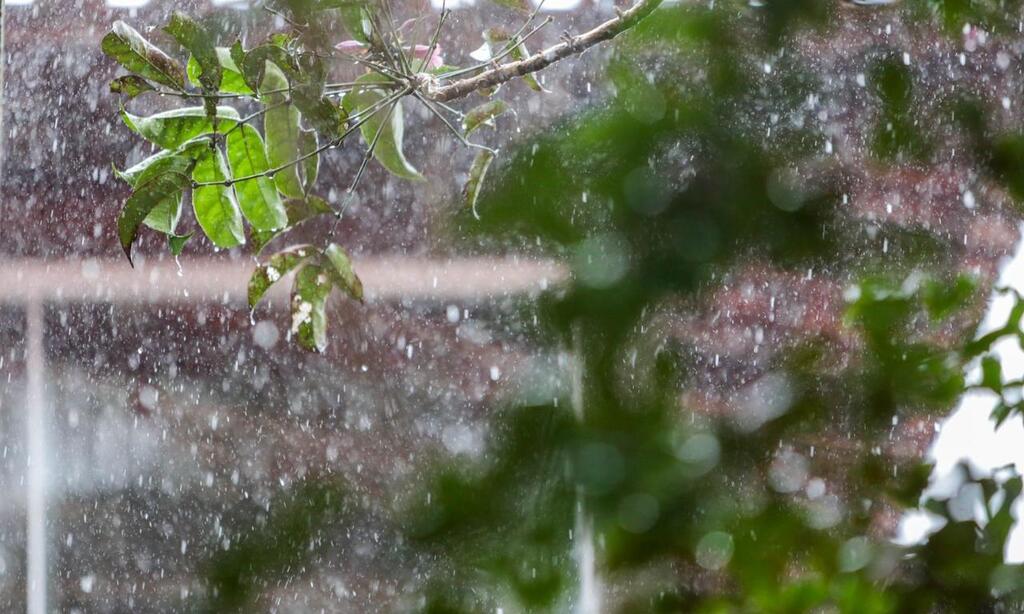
436	37
541	60
506	48
453	129
505	53
359	174
291	22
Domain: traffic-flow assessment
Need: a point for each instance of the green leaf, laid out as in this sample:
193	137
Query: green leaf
191	150
477	173
341	271
149	193
388	150
194	37
483	115
165	216
177	242
357	23
214	205
322	114
992	373
171	129
281	127
258	60
131	86
310	166
139	56
258	198
279	265
309	301
232	81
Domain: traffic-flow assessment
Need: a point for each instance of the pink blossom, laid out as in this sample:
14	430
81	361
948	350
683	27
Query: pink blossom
351	46
420	52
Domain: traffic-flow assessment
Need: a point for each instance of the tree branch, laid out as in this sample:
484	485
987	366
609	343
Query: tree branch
573	45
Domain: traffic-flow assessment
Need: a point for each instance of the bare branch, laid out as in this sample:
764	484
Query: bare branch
573	45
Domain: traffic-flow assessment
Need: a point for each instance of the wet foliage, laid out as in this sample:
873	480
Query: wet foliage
617	485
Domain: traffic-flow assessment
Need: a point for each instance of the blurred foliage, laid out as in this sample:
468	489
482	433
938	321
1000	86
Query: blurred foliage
651	197
276	545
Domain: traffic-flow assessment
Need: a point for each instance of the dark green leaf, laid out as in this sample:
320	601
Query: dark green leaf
279	265
322	114
177	243
135	53
258	198
232	81
171	129
131	86
256	62
214	205
339	267
143	200
194	37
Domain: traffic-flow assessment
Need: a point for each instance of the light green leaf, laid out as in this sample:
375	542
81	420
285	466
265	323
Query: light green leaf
214	205
477	173
281	127
171	129
279	265
339	267
165	216
131	86
388	150
483	115
232	81
309	300
139	56
258	198
194	37
149	193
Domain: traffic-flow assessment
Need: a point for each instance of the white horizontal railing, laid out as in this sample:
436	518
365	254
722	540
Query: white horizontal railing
385	278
